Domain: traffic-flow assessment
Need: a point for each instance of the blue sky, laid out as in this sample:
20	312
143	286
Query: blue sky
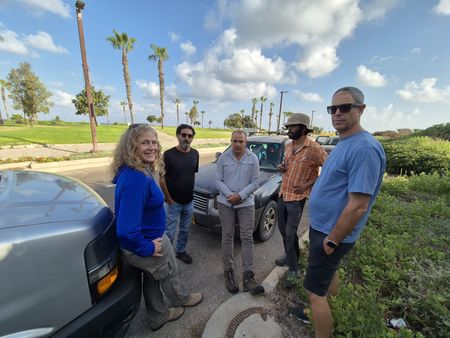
225	52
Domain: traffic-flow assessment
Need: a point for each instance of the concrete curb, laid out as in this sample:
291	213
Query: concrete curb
57	166
218	323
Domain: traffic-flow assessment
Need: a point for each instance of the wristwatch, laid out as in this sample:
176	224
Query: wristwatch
331	244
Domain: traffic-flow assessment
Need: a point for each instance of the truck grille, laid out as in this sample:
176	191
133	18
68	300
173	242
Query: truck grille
200	202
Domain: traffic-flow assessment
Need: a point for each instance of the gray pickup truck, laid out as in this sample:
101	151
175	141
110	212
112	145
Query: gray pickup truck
61	272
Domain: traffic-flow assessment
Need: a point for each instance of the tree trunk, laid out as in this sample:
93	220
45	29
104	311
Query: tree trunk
4	103
161	89
127	79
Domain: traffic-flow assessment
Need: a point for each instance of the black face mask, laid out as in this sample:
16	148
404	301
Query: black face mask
296	135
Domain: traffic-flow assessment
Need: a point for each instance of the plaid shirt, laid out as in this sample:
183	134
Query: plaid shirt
303	166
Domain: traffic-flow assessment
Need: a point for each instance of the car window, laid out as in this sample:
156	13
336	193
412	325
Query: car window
269	154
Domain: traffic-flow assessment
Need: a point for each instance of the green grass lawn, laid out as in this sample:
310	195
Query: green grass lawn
66	133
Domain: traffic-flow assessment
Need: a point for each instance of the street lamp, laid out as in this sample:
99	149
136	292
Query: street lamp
79	5
279	113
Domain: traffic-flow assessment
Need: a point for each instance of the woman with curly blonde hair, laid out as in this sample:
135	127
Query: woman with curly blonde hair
141	219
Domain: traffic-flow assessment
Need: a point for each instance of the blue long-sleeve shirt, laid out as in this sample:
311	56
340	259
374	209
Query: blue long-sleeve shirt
140	214
240	177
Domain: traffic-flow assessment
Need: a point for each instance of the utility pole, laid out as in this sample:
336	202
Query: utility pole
279	113
312	119
79	5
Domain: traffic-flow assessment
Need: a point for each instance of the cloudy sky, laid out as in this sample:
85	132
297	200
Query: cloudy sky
225	52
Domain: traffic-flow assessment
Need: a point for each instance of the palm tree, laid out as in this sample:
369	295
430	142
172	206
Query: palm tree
123	104
187	114
287	114
203	114
160	54
209	123
178	102
3	84
254	102
242	112
270	115
126	45
262	99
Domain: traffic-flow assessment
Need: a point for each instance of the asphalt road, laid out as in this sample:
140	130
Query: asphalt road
205	274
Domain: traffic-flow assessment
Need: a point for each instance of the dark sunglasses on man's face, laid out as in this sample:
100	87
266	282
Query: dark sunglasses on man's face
187	135
343	108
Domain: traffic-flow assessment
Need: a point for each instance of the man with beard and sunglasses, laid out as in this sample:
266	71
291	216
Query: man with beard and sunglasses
181	163
340	203
300	168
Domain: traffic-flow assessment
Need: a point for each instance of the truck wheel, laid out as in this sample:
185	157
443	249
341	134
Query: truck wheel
268	222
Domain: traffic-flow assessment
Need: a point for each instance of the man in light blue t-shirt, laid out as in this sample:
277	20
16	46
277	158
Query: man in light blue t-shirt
340	203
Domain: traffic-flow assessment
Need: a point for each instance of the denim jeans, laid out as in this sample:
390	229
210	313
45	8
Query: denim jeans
181	213
289	216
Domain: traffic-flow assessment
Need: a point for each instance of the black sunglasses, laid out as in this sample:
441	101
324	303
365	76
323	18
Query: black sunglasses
343	108
187	135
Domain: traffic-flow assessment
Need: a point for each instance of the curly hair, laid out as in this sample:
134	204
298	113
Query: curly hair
125	152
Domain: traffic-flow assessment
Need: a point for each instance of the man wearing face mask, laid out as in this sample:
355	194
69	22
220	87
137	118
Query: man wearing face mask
181	163
300	169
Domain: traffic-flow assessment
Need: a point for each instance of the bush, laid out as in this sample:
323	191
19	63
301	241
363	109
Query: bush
400	266
441	131
416	155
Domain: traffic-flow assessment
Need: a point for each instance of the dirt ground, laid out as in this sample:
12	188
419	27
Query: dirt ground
283	300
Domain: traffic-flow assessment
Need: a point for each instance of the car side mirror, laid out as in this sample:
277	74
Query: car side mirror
218	154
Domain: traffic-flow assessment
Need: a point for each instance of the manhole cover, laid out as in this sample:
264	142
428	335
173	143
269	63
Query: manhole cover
240	317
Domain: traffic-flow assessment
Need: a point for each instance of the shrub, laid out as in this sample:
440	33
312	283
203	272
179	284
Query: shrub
441	131
416	155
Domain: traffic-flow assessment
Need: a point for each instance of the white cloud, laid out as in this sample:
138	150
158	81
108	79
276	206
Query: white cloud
369	77
188	48
380	59
38	7
426	91
297	25
62	99
442	8
110	89
387	118
44	41
174	37
150	89
231	72
416	50
310	97
377	9
12	44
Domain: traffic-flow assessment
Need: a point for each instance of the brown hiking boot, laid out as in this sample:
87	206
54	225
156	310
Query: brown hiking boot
174	313
230	281
194	299
250	284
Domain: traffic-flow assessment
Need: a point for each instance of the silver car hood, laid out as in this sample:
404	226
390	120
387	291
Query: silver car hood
31	197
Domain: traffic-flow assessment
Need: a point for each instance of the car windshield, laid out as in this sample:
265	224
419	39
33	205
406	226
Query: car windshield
332	141
269	154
